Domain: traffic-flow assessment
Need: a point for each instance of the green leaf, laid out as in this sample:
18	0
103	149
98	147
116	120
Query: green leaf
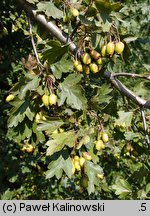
95	39
68	167
147	66
72	92
91	170
63	66
40	137
106	7
30	85
130	135
147	188
124	118
57	166
26	131
141	90
54	54
59	141
91	11
50	10
102	95
122	188
130	39
7	195
141	194
22	131
19	111
50	125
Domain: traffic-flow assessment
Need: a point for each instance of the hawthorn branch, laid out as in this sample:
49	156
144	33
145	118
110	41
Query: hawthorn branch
125	91
32	41
51	27
147	77
65	39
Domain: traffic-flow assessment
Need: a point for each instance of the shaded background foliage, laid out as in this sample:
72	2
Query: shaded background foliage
22	174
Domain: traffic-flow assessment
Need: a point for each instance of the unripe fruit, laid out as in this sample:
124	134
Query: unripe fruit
119	47
95	54
74	12
55	131
86	58
116	156
37	118
93	68
99	61
103	50
99	145
127	154
61	130
52	99
105	137
45	100
29	148
76	63
81	161
76	158
43	118
110	48
84	181
9	98
4	31
77	165
78	66
65	19
100	176
87	156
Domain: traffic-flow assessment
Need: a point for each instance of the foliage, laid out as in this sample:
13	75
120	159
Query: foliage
40	143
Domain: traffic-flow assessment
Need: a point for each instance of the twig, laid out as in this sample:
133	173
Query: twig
32	41
147	77
145	126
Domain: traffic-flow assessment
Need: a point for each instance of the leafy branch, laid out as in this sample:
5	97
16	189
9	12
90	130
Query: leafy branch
65	39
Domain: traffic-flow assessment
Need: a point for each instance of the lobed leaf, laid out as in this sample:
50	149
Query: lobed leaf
72	92
50	10
59	141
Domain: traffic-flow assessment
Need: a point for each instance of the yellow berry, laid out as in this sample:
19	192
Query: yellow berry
87	156
82	161
86	58
103	50
74	12
45	100
110	48
105	137
119	47
52	99
9	98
